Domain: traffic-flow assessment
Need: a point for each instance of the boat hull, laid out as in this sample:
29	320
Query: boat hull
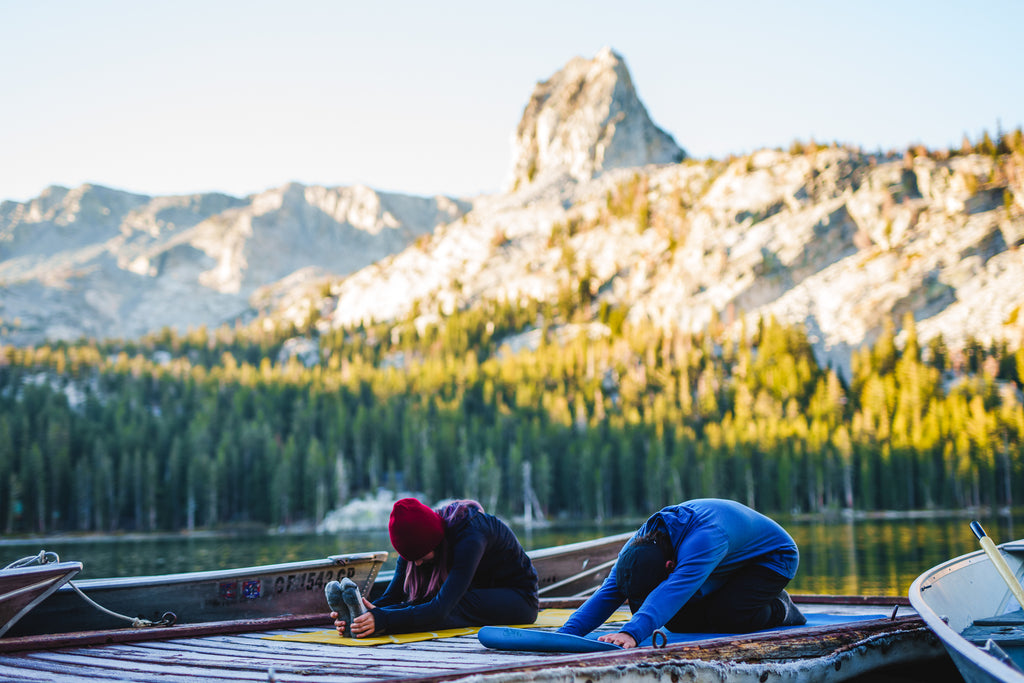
953	596
292	588
23	588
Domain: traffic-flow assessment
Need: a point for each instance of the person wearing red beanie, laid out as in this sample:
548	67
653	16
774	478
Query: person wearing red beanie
457	566
414	528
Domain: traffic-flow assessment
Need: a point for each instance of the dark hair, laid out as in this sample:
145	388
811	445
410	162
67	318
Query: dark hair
657	536
642	565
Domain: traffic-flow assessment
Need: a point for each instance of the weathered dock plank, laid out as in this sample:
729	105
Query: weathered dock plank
141	667
243	657
29	673
234	659
460	652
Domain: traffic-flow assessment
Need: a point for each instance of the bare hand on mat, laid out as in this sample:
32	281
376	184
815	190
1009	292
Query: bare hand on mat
362	626
623	640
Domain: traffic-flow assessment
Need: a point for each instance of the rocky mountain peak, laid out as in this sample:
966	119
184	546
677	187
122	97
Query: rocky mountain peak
586	119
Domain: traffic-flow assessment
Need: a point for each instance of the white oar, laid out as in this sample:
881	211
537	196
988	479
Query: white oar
999	562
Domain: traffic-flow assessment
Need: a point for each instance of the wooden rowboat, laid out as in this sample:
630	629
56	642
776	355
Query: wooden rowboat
23	586
972	609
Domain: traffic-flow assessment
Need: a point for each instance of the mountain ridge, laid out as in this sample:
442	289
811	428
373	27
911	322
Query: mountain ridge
99	262
600	201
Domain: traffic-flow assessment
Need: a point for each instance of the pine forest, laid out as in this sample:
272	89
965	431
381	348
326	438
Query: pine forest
210	429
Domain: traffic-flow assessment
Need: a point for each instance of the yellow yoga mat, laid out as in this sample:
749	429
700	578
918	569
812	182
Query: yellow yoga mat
547	617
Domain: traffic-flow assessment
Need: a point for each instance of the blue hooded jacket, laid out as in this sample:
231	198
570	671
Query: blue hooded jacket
711	538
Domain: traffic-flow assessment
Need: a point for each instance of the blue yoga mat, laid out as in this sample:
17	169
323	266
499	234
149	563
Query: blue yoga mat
533	640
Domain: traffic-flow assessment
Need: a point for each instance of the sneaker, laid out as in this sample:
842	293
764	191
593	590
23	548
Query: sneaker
792	615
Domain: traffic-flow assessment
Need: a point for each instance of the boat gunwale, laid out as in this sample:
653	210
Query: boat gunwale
231	573
568	548
951	638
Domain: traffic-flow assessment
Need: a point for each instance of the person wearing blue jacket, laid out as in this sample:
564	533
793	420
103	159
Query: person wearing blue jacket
457	566
702	566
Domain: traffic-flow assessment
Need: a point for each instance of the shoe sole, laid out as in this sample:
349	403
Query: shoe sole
352	597
336	600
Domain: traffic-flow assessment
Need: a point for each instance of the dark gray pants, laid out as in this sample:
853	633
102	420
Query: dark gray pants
748	601
483	606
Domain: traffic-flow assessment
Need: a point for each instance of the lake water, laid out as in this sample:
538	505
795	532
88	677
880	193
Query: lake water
862	557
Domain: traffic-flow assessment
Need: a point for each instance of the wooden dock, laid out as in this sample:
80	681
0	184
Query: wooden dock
235	652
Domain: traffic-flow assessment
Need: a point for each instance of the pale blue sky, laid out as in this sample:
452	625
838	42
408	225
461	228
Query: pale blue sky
194	96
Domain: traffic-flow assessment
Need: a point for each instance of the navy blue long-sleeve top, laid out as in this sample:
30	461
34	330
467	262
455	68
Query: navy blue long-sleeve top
483	552
711	538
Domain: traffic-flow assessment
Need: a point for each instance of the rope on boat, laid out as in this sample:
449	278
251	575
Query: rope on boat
47	557
43	557
167	619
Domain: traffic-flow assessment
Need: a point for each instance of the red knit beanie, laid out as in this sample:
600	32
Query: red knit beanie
415	529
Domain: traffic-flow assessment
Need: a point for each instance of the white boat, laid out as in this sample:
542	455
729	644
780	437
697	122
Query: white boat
972	605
